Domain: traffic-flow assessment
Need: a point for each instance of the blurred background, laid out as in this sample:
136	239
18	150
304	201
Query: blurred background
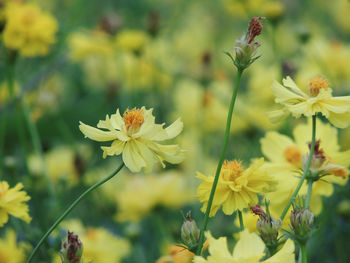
169	56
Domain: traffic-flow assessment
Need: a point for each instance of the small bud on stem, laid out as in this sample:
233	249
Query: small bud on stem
72	249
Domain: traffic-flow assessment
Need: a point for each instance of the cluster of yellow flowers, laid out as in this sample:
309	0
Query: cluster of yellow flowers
28	30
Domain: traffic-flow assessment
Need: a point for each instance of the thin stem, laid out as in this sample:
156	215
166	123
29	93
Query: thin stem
241	224
70	208
306	169
34	135
308	196
221	160
303	253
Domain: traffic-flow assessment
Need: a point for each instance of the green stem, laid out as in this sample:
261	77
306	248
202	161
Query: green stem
303	253
34	135
2	136
70	208
306	169
221	160
241	224
309	190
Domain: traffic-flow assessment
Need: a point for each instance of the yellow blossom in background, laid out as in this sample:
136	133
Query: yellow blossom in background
100	245
5	94
131	40
85	44
249	248
29	30
136	137
177	254
10	251
169	190
237	188
285	157
319	100
12	202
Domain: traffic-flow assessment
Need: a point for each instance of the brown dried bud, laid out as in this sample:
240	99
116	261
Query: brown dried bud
72	249
255	28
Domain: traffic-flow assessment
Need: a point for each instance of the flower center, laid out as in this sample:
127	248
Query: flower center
316	84
133	119
231	170
292	155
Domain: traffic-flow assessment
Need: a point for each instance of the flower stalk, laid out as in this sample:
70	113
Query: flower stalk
221	160
70	208
306	170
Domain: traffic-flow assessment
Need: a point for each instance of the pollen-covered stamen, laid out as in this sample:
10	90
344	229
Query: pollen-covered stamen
293	155
133	118
231	170
255	28
316	84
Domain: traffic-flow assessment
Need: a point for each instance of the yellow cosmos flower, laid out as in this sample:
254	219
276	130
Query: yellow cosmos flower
28	30
319	100
168	189
249	249
135	135
10	251
286	157
237	188
12	202
132	40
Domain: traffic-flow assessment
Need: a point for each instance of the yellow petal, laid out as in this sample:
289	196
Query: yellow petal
96	134
132	158
249	245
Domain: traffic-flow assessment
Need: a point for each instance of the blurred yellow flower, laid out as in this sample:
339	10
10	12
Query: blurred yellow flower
28	30
10	251
319	100
169	190
177	255
12	202
285	157
135	135
237	188
87	44
132	40
249	248
99	244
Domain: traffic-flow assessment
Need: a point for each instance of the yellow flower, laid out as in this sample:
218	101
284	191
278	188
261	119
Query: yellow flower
168	190
237	188
10	252
132	40
99	244
28	30
319	100
286	157
177	255
135	135
249	249
12	202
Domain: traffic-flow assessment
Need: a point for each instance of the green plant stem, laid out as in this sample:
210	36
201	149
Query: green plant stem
35	138
70	208
308	196
2	137
241	224
303	253
306	169
221	160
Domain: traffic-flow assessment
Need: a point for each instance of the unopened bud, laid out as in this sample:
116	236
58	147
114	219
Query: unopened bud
72	249
267	226
302	220
190	231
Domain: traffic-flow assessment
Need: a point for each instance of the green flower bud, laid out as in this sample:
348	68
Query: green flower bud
302	220
267	226
72	249
190	231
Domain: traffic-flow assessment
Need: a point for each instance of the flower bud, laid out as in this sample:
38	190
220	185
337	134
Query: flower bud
72	249
246	46
267	226
302	220
190	231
